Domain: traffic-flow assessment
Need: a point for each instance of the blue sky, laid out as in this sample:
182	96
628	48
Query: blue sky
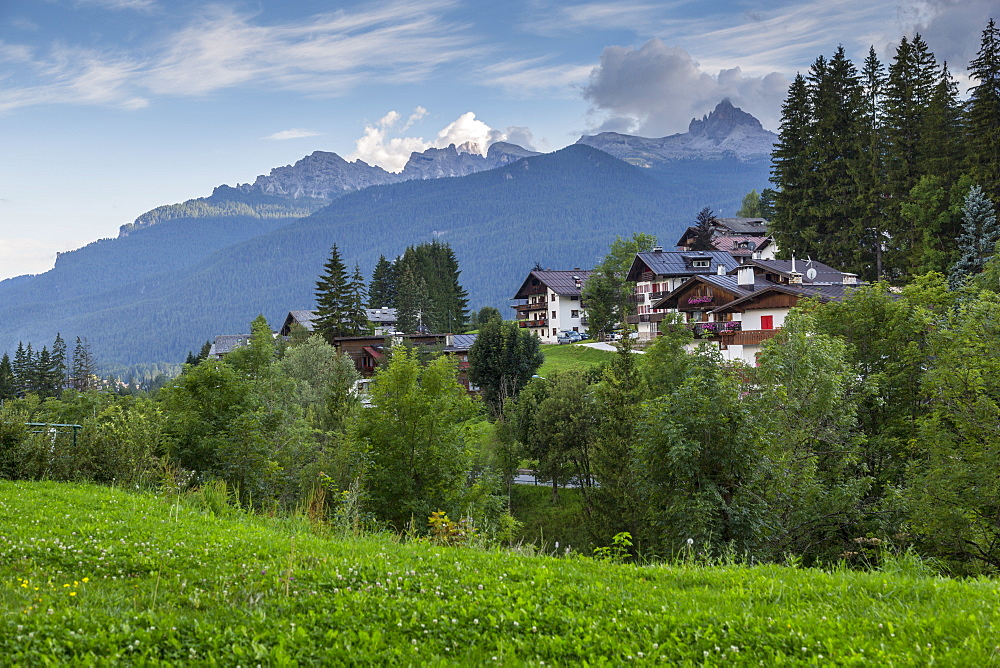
109	108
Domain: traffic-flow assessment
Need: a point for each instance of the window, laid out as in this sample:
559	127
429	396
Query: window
700	264
554	297
555	332
574	314
767	322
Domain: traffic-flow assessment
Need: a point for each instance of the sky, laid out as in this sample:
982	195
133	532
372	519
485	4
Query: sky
109	108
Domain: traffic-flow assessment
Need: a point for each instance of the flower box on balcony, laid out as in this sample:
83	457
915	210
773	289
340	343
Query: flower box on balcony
700	300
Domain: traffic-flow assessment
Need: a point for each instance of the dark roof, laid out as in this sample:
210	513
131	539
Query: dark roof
460	342
225	343
730	244
823	273
678	263
754	227
381	315
560	282
304	318
727	283
825	292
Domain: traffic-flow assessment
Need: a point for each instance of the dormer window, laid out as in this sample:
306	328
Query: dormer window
701	264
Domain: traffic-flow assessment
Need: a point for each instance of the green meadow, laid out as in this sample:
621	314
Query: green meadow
571	357
91	575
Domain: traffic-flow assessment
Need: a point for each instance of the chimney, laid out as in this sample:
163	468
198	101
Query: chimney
721	271
794	277
744	277
578	282
657	249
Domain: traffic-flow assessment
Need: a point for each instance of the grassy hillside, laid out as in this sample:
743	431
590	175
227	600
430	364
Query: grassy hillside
90	575
571	357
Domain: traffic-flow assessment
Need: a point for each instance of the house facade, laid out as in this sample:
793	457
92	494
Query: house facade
550	302
741	310
657	273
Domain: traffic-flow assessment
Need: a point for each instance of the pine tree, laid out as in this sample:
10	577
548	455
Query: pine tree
333	299
413	305
21	368
792	169
45	374
983	113
59	363
980	233
868	170
357	316
382	289
84	376
8	383
704	230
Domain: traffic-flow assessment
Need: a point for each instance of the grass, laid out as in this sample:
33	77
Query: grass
546	524
91	575
571	357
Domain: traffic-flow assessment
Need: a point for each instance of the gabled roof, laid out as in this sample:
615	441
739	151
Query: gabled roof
225	343
727	283
304	318
731	244
825	293
822	273
379	316
678	263
460	343
563	283
754	227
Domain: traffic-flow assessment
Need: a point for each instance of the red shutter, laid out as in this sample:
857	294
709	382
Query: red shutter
767	322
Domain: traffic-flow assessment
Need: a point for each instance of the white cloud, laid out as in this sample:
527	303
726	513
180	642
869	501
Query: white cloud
141	5
377	147
326	54
294	133
533	77
657	89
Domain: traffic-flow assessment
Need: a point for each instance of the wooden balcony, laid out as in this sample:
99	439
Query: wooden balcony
542	322
749	337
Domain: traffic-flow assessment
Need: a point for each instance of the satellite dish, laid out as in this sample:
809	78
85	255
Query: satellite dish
811	273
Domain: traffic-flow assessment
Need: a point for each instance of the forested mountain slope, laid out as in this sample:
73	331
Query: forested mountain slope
161	290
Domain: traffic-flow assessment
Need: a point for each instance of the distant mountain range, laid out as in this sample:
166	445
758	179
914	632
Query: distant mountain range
182	273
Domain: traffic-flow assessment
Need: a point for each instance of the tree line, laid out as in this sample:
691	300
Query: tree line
46	373
422	285
873	166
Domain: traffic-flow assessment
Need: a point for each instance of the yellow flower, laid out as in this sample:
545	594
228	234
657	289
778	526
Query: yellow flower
72	593
86	579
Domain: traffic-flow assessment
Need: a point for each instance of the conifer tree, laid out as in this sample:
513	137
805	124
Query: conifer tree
413	305
980	233
21	369
84	368
792	168
983	113
45	374
869	168
704	230
382	289
334	303
8	384
357	316
59	362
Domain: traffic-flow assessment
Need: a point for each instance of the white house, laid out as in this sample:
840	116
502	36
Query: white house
550	302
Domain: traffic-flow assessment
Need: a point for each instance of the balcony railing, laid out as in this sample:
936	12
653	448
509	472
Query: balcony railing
656	296
749	337
533	323
638	298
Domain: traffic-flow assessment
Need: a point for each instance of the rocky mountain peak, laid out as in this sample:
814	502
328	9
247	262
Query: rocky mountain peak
721	122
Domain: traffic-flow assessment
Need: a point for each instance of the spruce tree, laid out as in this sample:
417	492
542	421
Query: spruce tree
792	168
333	299
980	233
84	374
868	170
21	368
8	384
983	113
413	306
704	230
357	316
59	362
382	289
45	374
